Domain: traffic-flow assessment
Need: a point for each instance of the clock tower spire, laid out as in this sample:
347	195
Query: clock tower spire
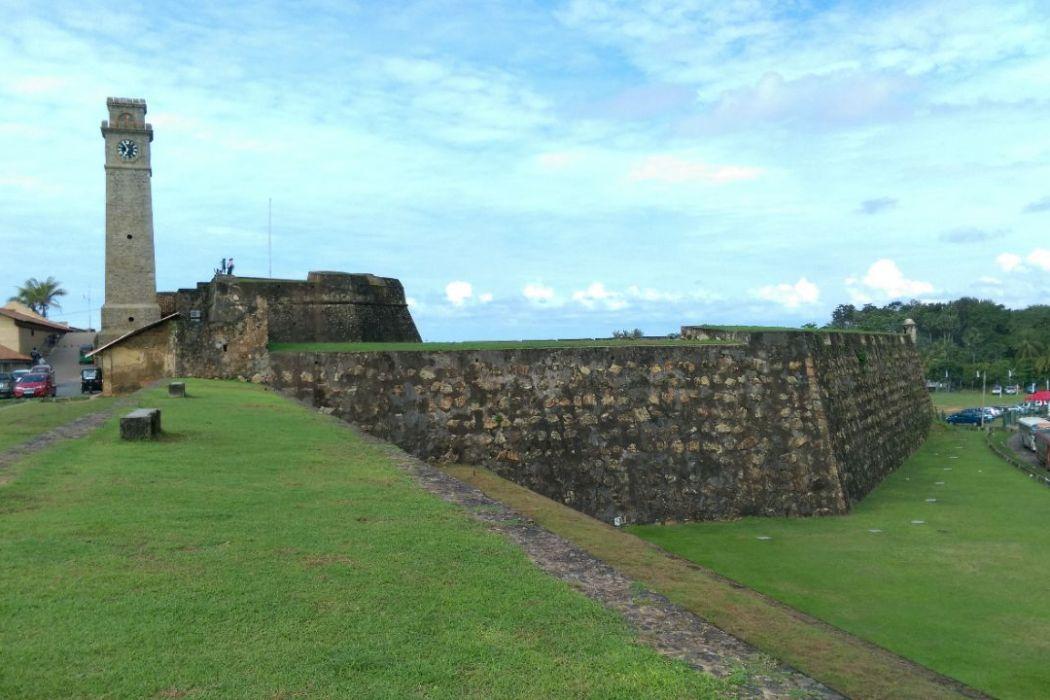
131	278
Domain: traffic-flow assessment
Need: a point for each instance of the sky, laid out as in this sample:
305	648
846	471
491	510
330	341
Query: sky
547	169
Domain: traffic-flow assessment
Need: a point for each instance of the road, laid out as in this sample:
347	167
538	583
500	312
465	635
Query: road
65	358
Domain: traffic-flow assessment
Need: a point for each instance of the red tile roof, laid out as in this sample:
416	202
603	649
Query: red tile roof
38	322
9	355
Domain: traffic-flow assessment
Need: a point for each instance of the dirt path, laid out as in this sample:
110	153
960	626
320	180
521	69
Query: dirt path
68	431
668	628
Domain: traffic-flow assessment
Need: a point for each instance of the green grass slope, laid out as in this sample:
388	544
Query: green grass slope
23	419
964	592
261	550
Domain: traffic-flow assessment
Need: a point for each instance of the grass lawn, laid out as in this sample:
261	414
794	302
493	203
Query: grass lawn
487	345
25	418
963	593
957	400
262	550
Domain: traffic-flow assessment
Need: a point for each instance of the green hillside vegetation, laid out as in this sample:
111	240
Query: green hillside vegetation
965	336
262	550
961	592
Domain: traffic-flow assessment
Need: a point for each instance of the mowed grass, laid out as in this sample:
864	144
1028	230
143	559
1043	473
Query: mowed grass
262	550
957	400
489	345
964	593
23	419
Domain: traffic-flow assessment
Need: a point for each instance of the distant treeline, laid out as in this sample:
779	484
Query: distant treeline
966	336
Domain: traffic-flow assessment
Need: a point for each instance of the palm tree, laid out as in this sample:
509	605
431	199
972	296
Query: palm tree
40	296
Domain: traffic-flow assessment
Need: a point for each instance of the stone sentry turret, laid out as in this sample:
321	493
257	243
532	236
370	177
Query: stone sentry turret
131	284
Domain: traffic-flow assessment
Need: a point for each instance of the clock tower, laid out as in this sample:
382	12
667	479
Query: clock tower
131	279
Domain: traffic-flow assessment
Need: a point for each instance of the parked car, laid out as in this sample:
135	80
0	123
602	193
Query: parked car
35	384
997	390
7	385
84	350
90	380
1012	389
968	416
42	368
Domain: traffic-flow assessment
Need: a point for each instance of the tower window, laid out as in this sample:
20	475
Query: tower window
129	236
131	319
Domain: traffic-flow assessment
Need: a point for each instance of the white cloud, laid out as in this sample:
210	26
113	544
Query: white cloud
647	294
1008	261
845	98
596	296
485	297
884	279
38	85
667	168
1040	257
790	296
538	293
458	292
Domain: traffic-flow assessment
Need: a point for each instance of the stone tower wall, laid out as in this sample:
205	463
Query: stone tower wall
130	260
225	326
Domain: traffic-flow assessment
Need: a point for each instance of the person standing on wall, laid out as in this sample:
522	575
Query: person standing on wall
229	266
222	269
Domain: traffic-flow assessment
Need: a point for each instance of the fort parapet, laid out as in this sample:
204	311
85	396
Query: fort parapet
774	423
223	328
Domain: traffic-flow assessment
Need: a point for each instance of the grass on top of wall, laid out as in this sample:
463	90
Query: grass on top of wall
962	591
491	345
262	550
788	329
22	419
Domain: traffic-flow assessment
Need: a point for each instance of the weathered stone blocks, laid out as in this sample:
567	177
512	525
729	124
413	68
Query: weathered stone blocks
141	424
788	425
177	389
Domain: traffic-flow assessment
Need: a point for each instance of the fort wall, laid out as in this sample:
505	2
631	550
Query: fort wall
225	326
777	424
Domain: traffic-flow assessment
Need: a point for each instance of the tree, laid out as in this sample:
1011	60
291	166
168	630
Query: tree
40	296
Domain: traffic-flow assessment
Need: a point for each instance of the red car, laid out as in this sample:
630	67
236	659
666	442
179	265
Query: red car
36	384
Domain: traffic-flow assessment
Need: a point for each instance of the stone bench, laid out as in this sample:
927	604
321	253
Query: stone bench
141	424
177	389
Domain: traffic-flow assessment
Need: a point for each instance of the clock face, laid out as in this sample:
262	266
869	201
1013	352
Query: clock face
127	149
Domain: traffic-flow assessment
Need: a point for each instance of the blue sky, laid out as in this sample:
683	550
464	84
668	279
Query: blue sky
548	169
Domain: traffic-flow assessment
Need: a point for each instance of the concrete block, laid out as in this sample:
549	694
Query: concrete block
141	424
177	389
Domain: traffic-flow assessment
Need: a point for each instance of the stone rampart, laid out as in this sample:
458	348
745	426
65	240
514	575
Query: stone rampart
784	424
225	326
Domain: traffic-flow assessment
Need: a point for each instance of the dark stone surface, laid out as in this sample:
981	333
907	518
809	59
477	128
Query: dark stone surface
140	424
788	424
177	389
225	325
